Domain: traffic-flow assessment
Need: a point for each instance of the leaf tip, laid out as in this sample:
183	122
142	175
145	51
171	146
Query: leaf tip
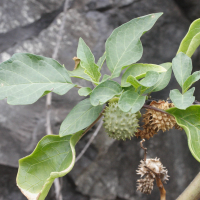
156	15
29	195
80	39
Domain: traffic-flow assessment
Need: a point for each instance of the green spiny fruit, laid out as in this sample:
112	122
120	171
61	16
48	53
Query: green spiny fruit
119	124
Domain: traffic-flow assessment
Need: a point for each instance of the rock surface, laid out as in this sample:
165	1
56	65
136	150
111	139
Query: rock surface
107	170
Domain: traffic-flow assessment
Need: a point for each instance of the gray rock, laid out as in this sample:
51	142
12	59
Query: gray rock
17	13
100	5
8	188
103	5
190	8
124	3
107	170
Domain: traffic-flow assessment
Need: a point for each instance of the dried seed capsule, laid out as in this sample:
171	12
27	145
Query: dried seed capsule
155	120
148	171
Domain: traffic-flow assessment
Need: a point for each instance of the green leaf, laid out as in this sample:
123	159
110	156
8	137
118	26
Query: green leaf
105	78
192	39
182	101
190	80
84	91
101	60
193	45
189	120
80	117
131	100
182	67
87	61
139	70
150	80
146	83
124	47
104	92
79	73
53	157
25	77
164	77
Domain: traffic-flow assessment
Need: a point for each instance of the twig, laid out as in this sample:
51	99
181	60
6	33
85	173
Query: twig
159	184
58	187
54	56
48	114
192	192
160	110
156	109
145	149
90	140
61	30
49	96
161	188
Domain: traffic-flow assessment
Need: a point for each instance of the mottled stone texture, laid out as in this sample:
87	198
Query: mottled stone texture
107	170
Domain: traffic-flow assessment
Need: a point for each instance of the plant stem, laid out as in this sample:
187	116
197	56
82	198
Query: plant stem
145	149
156	109
192	192
161	188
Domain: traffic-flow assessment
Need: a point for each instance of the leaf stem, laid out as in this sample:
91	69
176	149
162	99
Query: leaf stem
192	192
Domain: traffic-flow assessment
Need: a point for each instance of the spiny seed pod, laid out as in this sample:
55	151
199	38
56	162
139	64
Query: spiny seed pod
145	185
147	133
155	120
148	170
119	124
159	120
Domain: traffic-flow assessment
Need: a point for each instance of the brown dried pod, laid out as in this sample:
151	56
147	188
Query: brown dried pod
148	170
155	120
147	133
145	185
